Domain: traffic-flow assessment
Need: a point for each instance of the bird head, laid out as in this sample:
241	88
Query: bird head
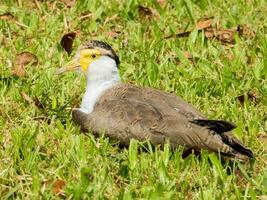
94	54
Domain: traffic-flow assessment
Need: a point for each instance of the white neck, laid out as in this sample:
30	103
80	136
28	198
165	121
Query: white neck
102	74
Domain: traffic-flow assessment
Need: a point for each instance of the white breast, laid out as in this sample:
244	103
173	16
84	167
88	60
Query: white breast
102	74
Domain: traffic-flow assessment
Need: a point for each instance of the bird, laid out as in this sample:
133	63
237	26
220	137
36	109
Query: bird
125	111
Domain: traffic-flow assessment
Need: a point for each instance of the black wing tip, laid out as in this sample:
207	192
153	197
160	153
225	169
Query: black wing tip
242	155
236	145
246	151
219	126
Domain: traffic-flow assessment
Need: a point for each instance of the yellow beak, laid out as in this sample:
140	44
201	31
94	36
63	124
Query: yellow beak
70	66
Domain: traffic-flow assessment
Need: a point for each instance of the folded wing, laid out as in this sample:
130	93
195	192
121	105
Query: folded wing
124	113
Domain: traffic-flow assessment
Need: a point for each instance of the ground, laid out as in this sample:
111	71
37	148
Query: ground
211	53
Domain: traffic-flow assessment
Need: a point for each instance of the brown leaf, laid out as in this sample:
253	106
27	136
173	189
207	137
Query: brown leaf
162	3
26	58
262	137
19	71
210	33
7	16
204	24
67	41
113	34
188	55
241	98
224	35
144	12
21	61
201	25
58	185
245	31
229	56
68	3
147	12
251	96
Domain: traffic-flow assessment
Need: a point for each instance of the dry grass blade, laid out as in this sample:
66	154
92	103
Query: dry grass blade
34	101
86	16
21	61
68	3
181	34
26	97
9	17
110	19
67	41
263	197
37	4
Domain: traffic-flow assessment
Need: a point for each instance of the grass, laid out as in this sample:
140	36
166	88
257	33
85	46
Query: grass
43	155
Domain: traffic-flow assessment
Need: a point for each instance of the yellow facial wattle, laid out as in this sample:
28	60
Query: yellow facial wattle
87	56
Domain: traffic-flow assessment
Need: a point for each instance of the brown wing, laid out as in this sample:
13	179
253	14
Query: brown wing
125	112
126	119
168	103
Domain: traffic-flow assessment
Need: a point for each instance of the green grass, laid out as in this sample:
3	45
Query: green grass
40	146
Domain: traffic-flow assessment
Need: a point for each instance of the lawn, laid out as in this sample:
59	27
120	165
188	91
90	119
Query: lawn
211	53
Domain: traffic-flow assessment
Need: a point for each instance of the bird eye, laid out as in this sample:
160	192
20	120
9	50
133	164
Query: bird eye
93	55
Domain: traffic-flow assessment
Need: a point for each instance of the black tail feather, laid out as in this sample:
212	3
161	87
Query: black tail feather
223	128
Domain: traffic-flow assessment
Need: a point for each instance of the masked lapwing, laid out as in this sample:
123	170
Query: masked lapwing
125	111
